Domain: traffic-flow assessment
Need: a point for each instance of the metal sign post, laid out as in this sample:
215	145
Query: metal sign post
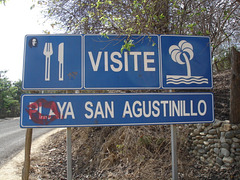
28	143
174	149
174	152
69	151
69	154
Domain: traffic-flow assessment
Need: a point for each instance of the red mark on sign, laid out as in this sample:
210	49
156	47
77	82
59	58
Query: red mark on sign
35	111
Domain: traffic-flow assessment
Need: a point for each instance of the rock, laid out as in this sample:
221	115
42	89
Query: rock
225	152
195	142
224	168
216	150
212	131
205	156
204	138
209	136
210	164
225	145
202	158
229	141
237	135
235	145
202	151
206	143
227	127
217	145
210	160
234	127
192	136
237	158
236	140
232	150
217	123
237	132
207	148
198	137
194	151
211	141
200	127
219	161
226	122
228	160
229	134
206	129
206	124
222	139
195	132
202	133
227	164
199	146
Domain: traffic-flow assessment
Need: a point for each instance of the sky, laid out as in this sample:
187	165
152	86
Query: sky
17	20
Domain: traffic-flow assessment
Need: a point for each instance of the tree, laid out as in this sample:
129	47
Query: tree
19	92
2	2
9	97
215	18
121	17
204	17
210	18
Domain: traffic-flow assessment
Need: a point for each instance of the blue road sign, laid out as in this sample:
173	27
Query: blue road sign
186	62
52	62
106	67
98	62
69	110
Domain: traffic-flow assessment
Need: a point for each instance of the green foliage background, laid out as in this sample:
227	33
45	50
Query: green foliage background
10	94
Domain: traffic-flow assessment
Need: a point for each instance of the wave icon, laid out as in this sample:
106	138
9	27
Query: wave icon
175	79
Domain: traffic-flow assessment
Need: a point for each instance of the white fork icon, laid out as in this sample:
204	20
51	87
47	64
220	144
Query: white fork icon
48	51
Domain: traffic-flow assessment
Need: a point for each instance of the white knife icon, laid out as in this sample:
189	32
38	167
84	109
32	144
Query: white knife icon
60	60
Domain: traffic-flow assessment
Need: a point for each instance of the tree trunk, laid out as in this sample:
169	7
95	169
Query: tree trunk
235	88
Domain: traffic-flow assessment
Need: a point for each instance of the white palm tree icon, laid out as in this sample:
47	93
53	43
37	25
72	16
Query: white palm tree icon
183	49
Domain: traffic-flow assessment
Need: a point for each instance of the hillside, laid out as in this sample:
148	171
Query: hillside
142	152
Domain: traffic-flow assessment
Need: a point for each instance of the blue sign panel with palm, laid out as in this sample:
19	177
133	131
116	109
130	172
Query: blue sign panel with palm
186	62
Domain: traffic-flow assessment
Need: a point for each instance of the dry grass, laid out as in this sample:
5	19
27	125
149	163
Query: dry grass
134	153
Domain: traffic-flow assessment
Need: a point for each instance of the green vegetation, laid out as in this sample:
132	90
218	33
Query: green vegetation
2	2
10	94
